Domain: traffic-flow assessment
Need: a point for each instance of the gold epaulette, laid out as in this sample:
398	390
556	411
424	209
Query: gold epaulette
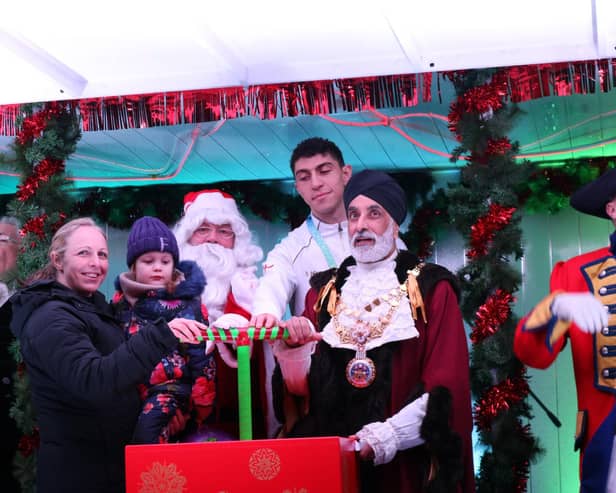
414	294
327	292
542	312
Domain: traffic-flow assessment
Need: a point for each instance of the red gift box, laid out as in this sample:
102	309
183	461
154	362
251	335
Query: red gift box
291	465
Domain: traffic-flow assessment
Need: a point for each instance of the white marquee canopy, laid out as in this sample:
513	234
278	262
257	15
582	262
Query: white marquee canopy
69	49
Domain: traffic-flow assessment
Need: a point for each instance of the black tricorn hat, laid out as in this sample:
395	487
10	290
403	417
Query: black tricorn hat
592	197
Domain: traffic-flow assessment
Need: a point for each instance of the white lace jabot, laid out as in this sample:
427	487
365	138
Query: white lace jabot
365	283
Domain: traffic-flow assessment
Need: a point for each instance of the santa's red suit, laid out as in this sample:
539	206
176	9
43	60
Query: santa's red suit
540	337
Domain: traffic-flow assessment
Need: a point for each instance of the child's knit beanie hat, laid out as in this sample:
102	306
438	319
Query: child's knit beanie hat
149	234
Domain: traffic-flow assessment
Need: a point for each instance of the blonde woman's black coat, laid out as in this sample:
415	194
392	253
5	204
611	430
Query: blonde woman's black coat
83	377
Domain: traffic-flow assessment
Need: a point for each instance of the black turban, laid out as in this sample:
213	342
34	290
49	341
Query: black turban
381	188
592	197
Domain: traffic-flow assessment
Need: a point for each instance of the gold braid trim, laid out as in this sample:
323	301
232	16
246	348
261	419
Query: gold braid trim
328	290
333	299
414	294
541	313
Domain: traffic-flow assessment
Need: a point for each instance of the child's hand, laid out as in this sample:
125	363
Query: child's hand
186	330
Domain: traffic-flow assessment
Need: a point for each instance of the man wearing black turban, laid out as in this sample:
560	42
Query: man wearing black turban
580	307
390	366
379	187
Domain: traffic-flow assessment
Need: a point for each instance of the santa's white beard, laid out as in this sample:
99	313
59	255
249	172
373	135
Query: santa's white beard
218	264
382	247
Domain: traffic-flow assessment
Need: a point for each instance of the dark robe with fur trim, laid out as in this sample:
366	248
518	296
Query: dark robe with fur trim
435	362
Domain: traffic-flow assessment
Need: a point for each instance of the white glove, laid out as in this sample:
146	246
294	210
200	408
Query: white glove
586	311
400	432
224	322
244	285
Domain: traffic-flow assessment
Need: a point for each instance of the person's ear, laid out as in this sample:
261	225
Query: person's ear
347	171
610	210
56	261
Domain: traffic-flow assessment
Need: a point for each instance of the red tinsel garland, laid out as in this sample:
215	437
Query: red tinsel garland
35	226
482	100
494	147
483	231
480	103
43	171
33	126
29	443
522	471
499	398
491	315
497	147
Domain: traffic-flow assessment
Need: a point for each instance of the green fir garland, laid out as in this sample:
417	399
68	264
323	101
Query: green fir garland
484	208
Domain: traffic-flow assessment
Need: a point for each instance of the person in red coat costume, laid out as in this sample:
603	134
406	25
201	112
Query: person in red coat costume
381	356
213	233
581	308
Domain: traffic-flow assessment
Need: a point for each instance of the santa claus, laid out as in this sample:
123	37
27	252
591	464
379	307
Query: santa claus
213	233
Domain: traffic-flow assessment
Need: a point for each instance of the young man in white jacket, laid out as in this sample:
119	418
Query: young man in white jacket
319	243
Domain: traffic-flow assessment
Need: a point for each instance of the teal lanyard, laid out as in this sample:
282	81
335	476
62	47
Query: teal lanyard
314	232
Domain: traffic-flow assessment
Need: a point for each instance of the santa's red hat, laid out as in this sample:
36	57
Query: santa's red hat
211	199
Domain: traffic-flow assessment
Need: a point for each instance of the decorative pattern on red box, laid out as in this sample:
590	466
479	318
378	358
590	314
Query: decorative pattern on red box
307	465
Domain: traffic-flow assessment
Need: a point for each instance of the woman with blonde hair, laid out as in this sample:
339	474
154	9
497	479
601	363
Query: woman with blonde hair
83	372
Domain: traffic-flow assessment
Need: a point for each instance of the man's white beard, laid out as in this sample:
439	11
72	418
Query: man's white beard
382	247
218	264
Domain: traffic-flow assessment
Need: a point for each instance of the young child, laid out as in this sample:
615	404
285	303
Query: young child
158	285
